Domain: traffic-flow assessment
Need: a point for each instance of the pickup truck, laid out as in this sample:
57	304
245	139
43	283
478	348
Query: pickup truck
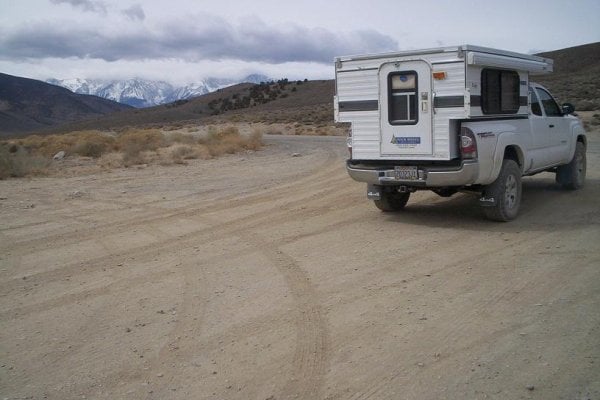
463	118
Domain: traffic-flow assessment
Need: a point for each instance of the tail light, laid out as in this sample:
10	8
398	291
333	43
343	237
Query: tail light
349	142
468	144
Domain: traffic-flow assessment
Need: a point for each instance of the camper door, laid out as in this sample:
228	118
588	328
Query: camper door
405	117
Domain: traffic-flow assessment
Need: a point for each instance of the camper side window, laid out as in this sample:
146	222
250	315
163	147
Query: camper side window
499	91
402	98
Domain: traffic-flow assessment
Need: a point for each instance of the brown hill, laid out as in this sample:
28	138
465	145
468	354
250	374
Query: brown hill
27	105
282	101
575	76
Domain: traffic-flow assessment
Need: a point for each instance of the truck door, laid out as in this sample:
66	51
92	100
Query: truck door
558	126
405	111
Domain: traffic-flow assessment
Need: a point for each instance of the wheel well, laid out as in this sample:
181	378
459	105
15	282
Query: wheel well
582	139
513	153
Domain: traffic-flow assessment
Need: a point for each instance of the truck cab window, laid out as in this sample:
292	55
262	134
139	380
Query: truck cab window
499	91
535	103
550	107
402	98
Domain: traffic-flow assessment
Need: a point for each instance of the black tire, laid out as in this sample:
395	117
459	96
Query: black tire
572	175
392	201
506	190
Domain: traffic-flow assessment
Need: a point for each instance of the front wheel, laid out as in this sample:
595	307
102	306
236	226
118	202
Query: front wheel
505	192
392	201
572	175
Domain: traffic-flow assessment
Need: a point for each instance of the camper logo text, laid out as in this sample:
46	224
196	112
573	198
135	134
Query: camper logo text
406	142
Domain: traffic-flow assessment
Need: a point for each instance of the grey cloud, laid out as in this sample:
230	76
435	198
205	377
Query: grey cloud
135	12
85	5
211	38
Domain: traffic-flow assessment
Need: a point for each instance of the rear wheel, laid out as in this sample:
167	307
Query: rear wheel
392	201
572	175
506	192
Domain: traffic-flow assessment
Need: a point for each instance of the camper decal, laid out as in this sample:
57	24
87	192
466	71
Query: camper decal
404	141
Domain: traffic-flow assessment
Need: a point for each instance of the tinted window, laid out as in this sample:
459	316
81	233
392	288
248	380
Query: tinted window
499	91
535	104
550	107
402	98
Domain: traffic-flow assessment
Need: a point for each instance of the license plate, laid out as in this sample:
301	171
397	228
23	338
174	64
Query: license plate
406	173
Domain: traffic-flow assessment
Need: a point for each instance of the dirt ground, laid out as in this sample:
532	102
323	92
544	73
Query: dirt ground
270	276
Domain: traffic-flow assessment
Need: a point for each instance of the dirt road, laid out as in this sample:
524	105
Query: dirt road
270	276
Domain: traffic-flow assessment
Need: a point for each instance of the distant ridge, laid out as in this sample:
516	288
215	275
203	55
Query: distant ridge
27	105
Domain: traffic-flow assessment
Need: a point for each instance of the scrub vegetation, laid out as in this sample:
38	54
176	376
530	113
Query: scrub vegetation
35	155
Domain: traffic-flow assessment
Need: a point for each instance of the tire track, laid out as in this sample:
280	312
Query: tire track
280	192
272	214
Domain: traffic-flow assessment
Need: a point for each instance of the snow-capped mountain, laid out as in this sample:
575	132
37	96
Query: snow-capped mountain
145	93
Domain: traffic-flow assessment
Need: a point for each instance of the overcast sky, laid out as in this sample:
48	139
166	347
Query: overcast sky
183	41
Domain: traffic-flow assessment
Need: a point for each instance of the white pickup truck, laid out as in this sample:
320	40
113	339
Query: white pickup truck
462	118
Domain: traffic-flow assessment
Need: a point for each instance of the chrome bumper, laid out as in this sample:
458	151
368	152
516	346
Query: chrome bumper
465	174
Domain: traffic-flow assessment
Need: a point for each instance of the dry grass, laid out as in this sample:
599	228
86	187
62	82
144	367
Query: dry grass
17	161
32	155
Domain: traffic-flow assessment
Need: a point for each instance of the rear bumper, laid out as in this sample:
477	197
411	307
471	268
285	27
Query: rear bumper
466	173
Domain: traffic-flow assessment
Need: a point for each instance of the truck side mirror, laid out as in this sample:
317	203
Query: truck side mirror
568	108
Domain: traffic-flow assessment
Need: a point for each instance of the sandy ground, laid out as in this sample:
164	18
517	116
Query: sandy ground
270	276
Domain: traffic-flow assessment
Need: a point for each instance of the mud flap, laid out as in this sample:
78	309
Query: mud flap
373	192
486	201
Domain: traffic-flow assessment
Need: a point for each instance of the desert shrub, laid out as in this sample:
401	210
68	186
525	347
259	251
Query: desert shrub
181	152
255	141
48	145
229	141
587	105
5	161
133	154
180	138
140	140
84	143
92	144
21	162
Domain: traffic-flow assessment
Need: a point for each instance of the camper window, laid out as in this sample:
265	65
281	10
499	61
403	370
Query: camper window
402	98
499	91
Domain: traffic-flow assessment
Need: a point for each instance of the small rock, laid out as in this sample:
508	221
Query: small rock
76	194
420	364
530	387
59	156
160	375
296	154
128	330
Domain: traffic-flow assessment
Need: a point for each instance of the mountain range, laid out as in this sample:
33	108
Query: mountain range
141	93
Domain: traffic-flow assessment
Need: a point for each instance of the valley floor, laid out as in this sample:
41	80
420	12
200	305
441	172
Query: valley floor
270	276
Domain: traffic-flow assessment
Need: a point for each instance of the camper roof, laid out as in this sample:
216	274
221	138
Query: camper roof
476	55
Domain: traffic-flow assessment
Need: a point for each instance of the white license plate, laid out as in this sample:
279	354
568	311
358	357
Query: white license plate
406	173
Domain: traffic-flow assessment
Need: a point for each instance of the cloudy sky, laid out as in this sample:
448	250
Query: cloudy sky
183	41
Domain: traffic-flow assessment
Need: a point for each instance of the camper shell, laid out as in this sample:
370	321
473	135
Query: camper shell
440	88
459	118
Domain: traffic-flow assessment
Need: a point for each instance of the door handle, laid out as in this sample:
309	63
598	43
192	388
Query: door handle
551	126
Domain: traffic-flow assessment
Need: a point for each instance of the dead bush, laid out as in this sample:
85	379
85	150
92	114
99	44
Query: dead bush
21	162
84	143
92	144
179	137
181	152
255	141
135	140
